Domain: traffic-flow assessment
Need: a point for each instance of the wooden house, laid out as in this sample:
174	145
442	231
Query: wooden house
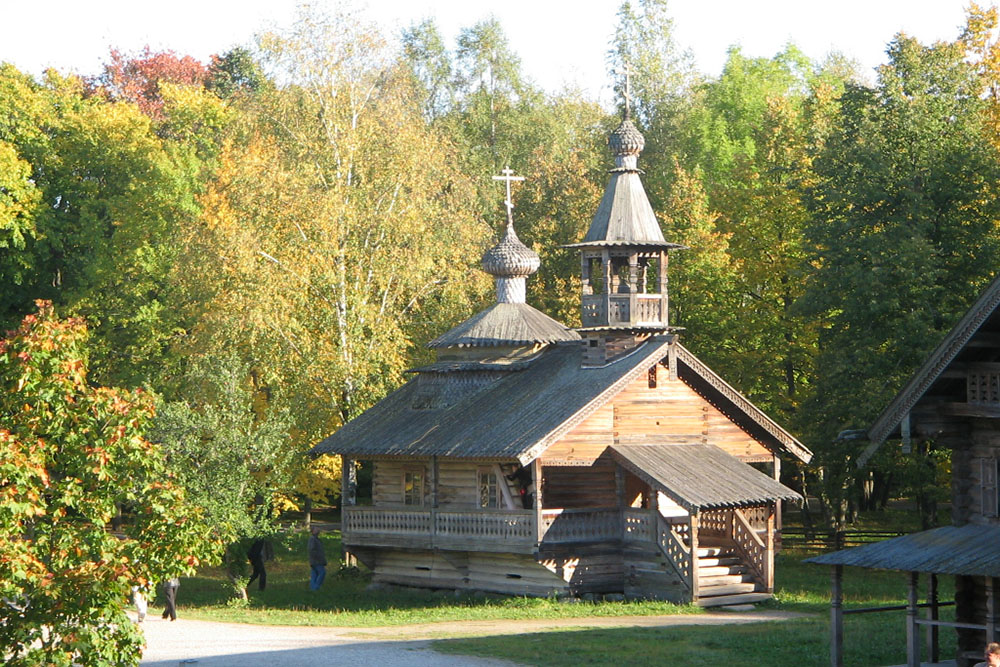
954	401
534	459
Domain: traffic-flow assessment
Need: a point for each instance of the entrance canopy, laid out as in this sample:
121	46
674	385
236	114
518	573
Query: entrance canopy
699	477
961	550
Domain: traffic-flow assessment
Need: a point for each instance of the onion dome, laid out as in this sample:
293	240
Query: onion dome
510	258
626	140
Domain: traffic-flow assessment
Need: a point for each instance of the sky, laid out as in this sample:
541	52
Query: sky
560	42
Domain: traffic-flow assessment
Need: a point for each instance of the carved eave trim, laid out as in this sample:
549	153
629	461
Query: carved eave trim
791	445
932	369
654	355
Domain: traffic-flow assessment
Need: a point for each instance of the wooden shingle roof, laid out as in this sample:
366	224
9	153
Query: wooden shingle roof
506	324
961	550
520	413
625	216
700	477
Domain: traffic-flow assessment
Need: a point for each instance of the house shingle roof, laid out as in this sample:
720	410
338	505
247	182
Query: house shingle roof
515	414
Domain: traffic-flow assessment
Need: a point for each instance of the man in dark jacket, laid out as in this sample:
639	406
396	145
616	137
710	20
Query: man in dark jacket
257	556
317	560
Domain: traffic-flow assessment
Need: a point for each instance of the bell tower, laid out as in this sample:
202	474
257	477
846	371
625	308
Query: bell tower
623	259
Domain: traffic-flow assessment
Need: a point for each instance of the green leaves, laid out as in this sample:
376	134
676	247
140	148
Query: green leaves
71	457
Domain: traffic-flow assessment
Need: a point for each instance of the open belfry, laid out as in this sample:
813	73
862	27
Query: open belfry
532	459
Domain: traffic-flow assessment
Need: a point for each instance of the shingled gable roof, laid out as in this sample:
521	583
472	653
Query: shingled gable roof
519	415
939	360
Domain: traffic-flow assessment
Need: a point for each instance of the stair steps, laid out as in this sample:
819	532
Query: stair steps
723	579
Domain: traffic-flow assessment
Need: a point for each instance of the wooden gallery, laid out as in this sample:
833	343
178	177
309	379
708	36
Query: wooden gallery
533	459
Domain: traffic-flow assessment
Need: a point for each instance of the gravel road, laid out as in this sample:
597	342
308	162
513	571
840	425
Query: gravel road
209	644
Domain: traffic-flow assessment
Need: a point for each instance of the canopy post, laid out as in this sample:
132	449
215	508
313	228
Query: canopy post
991	609
837	618
933	647
912	633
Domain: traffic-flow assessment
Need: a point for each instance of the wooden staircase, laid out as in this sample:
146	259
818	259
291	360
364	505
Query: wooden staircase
724	580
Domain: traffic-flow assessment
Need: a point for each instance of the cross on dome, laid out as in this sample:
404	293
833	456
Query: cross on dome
508	176
628	92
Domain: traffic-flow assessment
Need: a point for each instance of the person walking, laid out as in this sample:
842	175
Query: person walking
139	598
257	555
317	560
170	593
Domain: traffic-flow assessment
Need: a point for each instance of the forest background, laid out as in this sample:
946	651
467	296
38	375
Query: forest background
264	241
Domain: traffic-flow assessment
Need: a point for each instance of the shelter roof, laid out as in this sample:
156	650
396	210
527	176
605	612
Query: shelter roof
517	415
506	324
699	476
961	550
931	372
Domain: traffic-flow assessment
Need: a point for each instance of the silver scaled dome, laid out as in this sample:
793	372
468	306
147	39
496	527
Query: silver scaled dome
510	258
626	139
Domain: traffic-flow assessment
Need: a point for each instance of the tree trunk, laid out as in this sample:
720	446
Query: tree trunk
308	512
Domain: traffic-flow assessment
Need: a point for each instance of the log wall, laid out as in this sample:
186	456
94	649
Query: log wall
668	411
458	482
579	486
512	574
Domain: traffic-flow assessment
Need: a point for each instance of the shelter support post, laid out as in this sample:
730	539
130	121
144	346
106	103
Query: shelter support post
992	588
837	617
912	635
933	647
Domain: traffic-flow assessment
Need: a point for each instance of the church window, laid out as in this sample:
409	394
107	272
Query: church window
489	489
413	487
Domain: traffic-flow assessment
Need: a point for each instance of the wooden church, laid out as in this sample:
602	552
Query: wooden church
532	459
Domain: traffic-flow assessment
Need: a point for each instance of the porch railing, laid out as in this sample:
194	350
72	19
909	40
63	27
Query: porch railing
581	525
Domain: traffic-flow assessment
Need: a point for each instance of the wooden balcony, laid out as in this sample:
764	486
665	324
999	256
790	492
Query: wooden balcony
622	309
495	530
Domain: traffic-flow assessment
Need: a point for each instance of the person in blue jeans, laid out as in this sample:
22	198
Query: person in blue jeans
317	560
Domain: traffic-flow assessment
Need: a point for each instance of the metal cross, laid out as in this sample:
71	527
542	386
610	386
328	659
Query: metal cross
508	176
628	92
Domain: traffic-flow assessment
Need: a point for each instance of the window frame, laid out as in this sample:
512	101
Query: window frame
497	499
420	475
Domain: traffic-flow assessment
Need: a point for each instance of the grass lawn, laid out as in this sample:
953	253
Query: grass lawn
870	639
344	601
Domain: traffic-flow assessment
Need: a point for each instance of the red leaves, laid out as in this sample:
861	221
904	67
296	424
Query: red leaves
136	78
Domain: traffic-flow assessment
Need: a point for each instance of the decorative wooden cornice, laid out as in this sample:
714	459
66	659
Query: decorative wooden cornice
932	369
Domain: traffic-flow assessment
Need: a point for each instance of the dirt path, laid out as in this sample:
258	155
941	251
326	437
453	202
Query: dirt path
212	644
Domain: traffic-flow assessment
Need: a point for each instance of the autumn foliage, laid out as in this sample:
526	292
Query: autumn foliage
136	78
72	456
